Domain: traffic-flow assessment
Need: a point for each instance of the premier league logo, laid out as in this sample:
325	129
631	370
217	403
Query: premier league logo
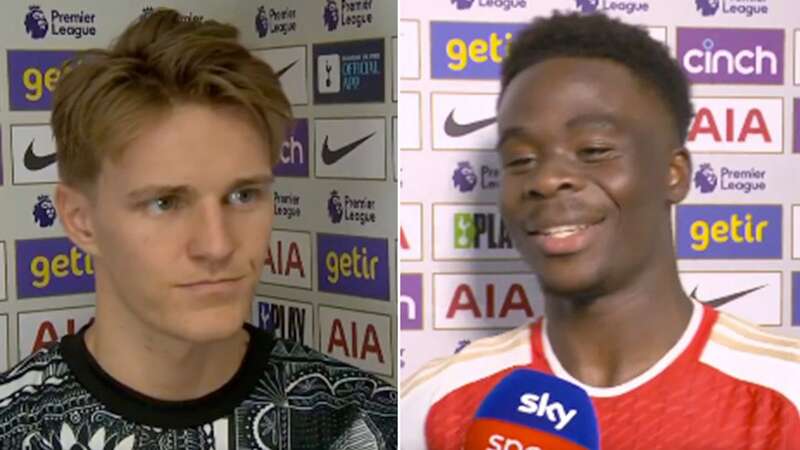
464	177
587	6
44	213
463	4
331	15
705	179
36	23
707	7
262	22
335	208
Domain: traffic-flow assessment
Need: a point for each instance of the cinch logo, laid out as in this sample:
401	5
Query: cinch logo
44	213
191	17
38	329
352	14
729	231
49	267
505	5
32	77
628	7
484	301
742	125
795	299
349	72
288	260
349	209
731	56
362	339
411	301
465	179
469	50
287	319
353	265
72	24
275	21
287	206
410	239
736	180
293	161
480	230
738	7
754	296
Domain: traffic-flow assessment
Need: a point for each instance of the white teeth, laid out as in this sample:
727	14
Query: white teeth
563	231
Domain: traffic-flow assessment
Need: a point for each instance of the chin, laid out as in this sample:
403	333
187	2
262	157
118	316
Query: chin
570	280
212	325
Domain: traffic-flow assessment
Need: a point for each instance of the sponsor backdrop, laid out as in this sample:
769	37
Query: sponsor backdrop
737	234
329	277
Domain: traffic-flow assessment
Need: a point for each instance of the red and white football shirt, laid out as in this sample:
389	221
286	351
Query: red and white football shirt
725	385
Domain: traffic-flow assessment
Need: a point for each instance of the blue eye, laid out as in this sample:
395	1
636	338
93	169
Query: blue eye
244	196
162	205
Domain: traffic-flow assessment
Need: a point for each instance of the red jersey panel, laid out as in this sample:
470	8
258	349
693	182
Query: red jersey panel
725	385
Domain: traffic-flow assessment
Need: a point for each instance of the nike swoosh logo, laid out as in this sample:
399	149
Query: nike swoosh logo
331	156
455	129
34	162
286	69
717	302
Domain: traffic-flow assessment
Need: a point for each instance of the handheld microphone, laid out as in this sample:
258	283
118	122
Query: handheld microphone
530	410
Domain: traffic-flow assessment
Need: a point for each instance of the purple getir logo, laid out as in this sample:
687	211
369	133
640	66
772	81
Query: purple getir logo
54	266
731	56
411	301
293	161
353	265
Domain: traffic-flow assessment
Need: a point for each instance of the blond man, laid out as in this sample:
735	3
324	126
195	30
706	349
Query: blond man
166	145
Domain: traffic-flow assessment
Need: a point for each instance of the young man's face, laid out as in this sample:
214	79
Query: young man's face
182	221
589	173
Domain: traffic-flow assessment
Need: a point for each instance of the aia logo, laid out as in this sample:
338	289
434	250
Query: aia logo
705	178
464	177
335	207
330	15
36	24
44	213
463	4
707	7
587	6
262	22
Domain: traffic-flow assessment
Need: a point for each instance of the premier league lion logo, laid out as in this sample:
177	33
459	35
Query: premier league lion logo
707	7
262	22
335	208
36	22
44	213
464	177
587	6
331	15
463	4
705	179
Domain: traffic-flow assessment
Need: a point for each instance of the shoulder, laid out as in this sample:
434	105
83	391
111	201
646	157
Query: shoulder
749	353
25	383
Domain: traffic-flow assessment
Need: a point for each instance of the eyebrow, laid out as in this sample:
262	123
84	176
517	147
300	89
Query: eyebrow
595	120
168	190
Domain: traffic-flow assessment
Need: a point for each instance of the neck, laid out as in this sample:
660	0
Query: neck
158	365
611	338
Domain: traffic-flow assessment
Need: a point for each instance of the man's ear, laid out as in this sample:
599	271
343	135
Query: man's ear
75	212
680	174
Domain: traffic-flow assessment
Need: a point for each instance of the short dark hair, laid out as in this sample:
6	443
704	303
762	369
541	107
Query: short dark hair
598	36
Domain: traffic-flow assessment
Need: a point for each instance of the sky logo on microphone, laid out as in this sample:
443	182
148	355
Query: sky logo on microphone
540	406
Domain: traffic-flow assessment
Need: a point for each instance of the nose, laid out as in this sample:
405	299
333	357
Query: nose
554	174
211	239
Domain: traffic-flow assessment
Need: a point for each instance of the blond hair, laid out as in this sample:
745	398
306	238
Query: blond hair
105	98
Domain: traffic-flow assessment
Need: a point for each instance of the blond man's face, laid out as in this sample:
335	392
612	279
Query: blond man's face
182	223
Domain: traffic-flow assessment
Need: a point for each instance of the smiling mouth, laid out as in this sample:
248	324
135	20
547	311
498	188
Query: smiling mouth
566	239
561	231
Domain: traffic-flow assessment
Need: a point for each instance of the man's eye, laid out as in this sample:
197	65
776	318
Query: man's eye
595	153
162	204
521	162
244	196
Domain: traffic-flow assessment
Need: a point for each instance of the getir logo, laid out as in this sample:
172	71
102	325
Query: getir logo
288	260
741	125
288	319
795	299
33	75
47	267
38	329
359	338
470	50
731	56
729	231
353	265
484	301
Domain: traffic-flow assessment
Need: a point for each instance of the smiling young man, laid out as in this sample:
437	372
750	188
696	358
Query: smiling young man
166	145
592	121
